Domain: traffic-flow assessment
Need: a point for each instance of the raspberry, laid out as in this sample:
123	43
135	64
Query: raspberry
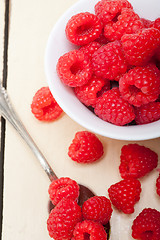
63	188
102	39
125	194
109	10
44	106
83	28
128	22
90	92
74	69
146	23
158	184
140	85
156	24
97	209
146	226
85	148
147	113
113	108
89	230
137	161
108	61
63	219
141	46
90	48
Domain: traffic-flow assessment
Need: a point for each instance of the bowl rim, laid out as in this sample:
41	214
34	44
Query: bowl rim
142	131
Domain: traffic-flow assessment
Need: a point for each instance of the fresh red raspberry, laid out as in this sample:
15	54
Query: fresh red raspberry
140	85
109	10
85	148
83	28
108	61
147	113
102	39
97	209
74	69
63	219
89	230
63	187
90	48
146	226
158	184
137	161
141	46
90	92
156	24
44	106
146	23
111	107
127	22
125	194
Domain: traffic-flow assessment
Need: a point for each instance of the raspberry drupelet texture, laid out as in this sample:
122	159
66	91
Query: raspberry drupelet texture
127	22
146	23
89	230
90	48
158	184
83	28
85	148
74	69
137	161
108	61
109	10
146	226
97	209
44	106
111	107
140	47
140	85
90	92
63	187
63	219
147	113
156	24
125	194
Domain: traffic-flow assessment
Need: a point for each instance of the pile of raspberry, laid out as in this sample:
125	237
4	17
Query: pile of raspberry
116	70
67	220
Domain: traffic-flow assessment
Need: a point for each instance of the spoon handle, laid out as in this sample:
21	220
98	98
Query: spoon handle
7	111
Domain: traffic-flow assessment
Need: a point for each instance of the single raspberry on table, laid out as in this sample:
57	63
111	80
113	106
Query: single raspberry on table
90	48
137	161
63	187
140	85
74	69
44	106
111	107
158	184
146	225
109	10
83	28
63	219
127	22
147	113
85	148
125	194
140	47
89	230
109	61
97	209
90	92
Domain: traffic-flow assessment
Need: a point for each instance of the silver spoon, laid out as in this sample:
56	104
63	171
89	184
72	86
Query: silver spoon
8	112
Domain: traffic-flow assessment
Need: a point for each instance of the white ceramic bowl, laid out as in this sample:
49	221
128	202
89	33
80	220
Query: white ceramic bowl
58	45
